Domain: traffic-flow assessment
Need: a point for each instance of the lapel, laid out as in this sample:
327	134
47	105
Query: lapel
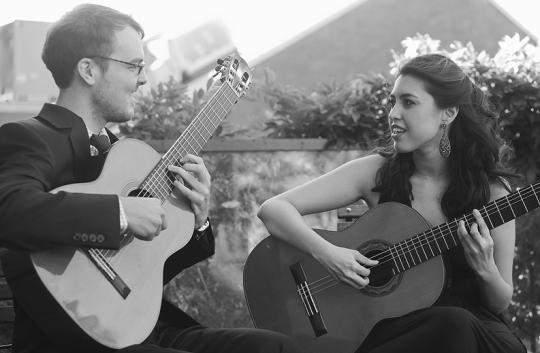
64	119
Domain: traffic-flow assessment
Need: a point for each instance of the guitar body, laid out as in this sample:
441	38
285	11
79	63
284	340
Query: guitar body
348	314
79	286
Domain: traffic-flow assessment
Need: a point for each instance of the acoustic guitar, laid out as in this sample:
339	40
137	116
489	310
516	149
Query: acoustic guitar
114	297
288	291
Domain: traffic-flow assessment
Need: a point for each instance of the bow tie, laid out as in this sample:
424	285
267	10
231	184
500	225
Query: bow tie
100	142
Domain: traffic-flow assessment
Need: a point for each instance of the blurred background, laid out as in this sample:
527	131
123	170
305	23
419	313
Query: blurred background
321	72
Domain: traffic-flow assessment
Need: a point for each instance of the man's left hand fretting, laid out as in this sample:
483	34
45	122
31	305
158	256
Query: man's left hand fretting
195	186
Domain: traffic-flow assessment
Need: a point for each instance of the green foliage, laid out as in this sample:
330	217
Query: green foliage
347	115
164	112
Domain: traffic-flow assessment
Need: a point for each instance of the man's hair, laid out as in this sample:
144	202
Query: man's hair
86	31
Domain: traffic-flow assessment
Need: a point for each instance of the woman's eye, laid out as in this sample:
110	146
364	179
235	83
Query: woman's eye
408	102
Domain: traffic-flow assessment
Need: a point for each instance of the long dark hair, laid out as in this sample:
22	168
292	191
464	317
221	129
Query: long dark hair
474	162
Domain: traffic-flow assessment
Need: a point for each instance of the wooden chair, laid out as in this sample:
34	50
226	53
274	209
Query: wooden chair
7	313
347	215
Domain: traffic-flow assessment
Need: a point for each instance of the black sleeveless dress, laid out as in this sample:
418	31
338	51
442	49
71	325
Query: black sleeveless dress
456	323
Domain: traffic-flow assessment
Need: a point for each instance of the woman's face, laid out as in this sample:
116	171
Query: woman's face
414	119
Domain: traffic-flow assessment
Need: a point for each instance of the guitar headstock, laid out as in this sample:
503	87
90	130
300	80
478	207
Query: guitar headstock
234	71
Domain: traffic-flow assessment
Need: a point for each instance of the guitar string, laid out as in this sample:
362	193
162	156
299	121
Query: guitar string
331	280
510	200
155	184
152	182
157	180
409	250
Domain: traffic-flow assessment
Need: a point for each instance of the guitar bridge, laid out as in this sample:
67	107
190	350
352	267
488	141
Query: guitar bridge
302	287
108	271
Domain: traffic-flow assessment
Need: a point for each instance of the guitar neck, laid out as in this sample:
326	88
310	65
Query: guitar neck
435	241
159	182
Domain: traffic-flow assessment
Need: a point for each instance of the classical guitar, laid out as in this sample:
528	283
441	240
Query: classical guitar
114	297
289	292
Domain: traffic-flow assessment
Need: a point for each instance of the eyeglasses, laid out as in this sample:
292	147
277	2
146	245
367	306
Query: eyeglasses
139	67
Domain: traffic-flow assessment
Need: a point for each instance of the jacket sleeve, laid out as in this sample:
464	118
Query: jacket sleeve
31	217
193	252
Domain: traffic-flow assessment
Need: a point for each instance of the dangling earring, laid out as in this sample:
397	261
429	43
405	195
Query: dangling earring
444	146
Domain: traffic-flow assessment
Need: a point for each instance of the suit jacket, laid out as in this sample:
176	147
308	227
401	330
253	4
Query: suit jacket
36	156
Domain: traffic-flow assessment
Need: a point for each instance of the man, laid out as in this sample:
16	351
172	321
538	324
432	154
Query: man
95	55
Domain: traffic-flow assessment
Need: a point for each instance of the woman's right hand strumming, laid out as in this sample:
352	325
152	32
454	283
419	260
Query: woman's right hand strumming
346	265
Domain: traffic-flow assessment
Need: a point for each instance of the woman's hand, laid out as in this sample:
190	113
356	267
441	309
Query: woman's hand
347	265
478	246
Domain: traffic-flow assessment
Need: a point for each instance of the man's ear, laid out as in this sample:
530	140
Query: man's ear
87	71
450	114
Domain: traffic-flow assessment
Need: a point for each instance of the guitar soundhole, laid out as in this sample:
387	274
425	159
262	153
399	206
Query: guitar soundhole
382	274
381	279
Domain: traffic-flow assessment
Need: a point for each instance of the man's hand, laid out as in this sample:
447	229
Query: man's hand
145	216
195	186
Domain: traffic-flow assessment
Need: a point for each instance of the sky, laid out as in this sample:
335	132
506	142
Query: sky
256	26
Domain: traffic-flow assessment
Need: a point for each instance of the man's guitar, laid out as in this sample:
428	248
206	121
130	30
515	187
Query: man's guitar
114	297
289	292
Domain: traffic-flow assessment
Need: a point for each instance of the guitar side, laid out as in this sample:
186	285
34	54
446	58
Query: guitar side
348	314
82	290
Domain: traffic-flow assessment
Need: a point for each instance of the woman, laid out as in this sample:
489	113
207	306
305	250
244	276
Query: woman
443	162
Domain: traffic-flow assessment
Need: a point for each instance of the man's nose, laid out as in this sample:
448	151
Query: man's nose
141	79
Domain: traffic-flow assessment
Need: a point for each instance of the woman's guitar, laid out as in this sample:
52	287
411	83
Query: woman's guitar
114	297
289	292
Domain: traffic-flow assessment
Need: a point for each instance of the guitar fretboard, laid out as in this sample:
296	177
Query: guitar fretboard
159	182
435	241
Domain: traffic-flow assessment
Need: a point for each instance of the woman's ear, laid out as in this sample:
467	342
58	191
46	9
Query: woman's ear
87	69
450	114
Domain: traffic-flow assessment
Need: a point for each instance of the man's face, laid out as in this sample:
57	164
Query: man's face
113	95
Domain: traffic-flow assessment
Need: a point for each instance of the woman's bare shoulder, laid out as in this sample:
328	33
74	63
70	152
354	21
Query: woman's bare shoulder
499	188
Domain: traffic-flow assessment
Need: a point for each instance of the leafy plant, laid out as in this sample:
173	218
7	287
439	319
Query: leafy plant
349	115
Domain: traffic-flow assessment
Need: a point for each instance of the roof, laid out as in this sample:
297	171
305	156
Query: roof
359	40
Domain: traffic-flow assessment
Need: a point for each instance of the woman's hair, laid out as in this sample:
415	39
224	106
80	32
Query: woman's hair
86	31
474	162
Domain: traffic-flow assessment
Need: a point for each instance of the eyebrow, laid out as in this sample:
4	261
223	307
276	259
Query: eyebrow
405	95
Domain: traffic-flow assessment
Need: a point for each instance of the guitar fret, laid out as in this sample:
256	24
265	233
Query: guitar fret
394	258
535	195
499	212
523	202
422	245
416	250
405	253
465	219
510	206
517	204
485	215
436	243
443	238
428	242
451	233
206	129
